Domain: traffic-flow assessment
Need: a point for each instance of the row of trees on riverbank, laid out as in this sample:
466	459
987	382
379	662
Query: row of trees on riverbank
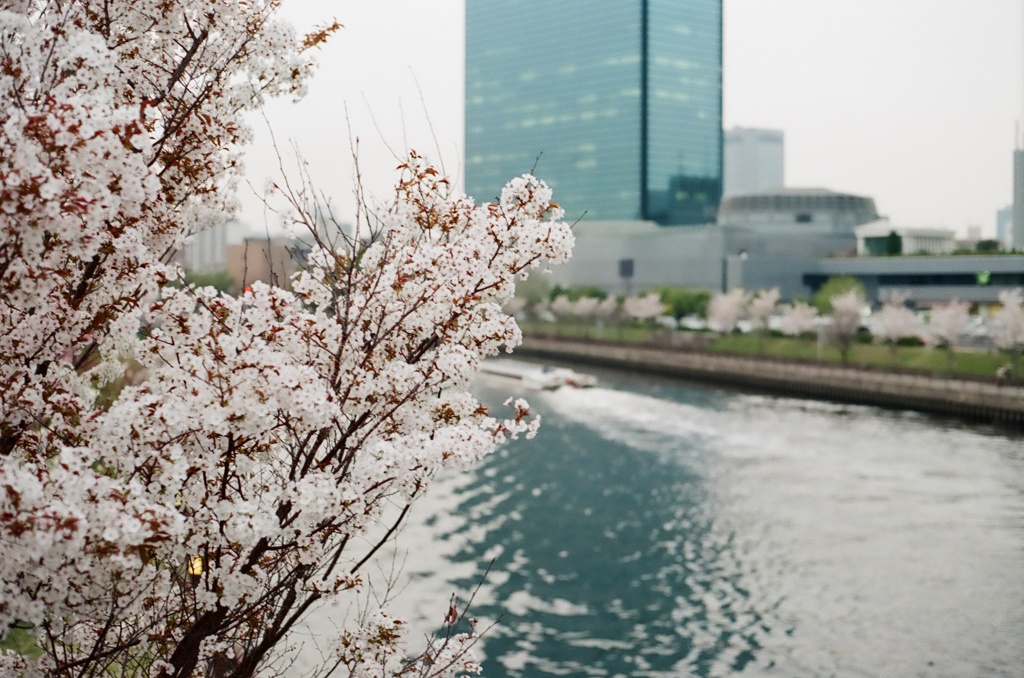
841	317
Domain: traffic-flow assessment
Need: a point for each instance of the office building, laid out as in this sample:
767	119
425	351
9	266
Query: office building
753	160
1004	227
617	104
1017	237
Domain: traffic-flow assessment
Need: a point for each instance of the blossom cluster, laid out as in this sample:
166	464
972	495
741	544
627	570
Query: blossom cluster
726	309
1009	321
895	320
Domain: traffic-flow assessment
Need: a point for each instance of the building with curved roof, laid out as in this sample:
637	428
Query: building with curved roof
806	209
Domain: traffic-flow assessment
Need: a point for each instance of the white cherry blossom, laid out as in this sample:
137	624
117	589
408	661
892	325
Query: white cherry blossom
643	307
798	318
845	320
894	321
726	309
762	306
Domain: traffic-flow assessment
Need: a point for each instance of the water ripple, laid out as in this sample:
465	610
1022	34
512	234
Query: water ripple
659	530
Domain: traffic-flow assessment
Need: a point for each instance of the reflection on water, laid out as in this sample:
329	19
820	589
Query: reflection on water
659	530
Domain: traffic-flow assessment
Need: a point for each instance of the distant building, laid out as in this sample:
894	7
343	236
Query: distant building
206	251
753	160
769	237
267	260
804	209
616	104
1017	239
656	256
760	241
792	239
925	280
877	238
1004	227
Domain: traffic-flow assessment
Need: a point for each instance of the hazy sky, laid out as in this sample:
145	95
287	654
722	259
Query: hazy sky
911	102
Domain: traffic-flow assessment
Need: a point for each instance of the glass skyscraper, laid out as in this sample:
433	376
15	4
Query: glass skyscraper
617	104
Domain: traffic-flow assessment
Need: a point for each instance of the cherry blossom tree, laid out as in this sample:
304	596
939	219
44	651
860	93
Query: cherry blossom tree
894	321
798	318
726	309
584	308
542	311
562	306
608	307
643	307
760	309
1009	327
608	310
762	306
271	442
945	325
845	321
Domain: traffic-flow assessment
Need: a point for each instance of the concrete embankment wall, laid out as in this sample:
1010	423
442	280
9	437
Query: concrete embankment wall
979	400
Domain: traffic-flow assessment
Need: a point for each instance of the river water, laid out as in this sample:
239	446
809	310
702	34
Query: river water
655	528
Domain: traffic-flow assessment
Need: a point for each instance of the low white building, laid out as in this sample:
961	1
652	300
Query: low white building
798	210
875	239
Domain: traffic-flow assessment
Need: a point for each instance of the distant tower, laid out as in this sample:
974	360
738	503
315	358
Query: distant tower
1018	195
753	160
617	103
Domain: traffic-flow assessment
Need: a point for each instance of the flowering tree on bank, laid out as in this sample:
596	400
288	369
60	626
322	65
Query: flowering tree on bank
945	325
607	311
760	310
562	306
585	308
726	309
607	308
1009	327
643	307
846	309
185	527
894	321
798	318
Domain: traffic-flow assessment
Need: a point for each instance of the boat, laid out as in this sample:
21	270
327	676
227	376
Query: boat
578	379
539	377
543	379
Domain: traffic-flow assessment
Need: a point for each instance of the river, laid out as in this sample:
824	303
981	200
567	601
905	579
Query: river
655	528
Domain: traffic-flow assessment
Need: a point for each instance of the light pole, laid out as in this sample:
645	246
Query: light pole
732	270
